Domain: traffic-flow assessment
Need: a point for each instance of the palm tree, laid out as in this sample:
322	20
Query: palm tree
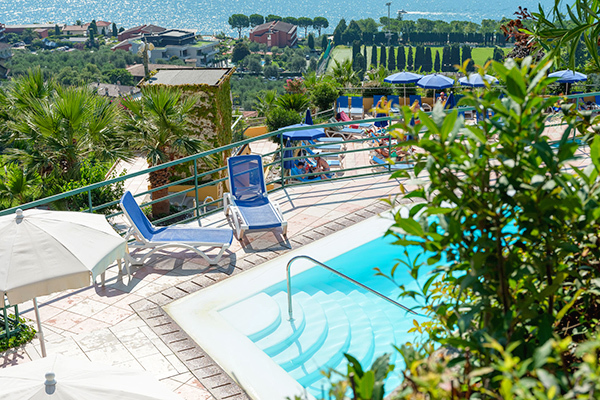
159	124
293	101
265	101
19	186
59	129
343	73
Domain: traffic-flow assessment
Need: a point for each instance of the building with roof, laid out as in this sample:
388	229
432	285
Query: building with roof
75	30
115	91
43	33
139	31
177	43
21	28
275	33
137	70
211	116
104	28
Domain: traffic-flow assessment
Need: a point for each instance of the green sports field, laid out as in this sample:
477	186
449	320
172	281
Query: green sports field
341	53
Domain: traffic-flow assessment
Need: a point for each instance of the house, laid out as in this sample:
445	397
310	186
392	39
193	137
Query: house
139	31
275	33
177	43
137	70
123	45
5	51
21	28
43	33
104	28
75	30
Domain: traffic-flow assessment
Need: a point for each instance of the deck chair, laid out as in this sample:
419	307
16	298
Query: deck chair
378	162
248	202
356	106
412	98
342	103
148	236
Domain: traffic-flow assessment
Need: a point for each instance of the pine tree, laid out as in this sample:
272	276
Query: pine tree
436	64
374	56
428	63
383	57
392	59
409	59
401	59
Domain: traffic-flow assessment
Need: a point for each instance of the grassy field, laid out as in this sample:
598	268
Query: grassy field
341	53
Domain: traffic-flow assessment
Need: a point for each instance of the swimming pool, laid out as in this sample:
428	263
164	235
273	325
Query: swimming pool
243	323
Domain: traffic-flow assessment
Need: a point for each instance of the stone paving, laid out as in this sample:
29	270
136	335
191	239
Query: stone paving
122	324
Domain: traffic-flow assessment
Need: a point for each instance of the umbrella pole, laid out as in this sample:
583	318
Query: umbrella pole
404	98
39	324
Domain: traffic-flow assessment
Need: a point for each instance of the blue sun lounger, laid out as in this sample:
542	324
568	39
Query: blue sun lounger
378	162
148	236
248	202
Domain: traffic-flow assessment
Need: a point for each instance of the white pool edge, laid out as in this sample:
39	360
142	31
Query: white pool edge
250	367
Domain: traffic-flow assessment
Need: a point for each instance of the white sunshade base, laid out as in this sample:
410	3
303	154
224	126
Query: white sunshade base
78	379
49	251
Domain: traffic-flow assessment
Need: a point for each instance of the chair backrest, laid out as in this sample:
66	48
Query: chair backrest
246	177
598	100
414	97
136	216
395	100
357	102
450	102
342	102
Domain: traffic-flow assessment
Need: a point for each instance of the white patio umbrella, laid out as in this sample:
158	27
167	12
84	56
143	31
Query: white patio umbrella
42	252
61	378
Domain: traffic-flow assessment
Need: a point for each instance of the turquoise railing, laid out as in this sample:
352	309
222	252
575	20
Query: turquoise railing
273	160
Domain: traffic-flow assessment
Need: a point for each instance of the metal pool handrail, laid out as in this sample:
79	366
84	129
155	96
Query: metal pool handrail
346	277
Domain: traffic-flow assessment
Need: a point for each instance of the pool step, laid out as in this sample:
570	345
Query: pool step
336	330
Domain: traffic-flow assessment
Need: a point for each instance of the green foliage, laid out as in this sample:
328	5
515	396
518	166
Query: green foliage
272	17
25	335
279	117
256	19
320	23
323	95
339	31
344	74
511	226
297	102
239	22
311	41
18	186
119	75
364	385
305	22
240	51
245	89
91	172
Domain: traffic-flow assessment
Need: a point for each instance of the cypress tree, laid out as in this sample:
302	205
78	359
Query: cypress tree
409	59
373	56
401	59
419	56
454	57
446	61
382	57
324	42
498	54
392	59
311	41
436	64
355	48
428	63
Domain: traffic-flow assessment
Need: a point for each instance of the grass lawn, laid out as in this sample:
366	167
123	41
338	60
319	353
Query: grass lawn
341	53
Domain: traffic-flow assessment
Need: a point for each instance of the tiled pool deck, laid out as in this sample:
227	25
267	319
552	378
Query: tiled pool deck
122	324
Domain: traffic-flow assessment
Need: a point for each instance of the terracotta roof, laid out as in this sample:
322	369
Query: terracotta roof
274	26
134	29
75	28
103	23
153	28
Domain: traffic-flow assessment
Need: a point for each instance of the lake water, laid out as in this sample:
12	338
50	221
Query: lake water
210	16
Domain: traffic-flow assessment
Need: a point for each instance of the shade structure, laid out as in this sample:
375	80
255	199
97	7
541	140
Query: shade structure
476	80
308	117
61	378
435	82
42	252
309	133
403	78
568	76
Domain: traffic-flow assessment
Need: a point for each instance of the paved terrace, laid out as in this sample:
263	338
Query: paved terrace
122	324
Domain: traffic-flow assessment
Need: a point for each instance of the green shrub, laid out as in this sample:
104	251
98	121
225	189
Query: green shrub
279	118
25	335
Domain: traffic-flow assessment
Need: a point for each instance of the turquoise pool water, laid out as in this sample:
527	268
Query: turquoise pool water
332	316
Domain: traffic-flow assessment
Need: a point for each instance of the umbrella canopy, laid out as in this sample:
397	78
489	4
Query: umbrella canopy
568	76
42	252
476	80
304	134
308	117
403	77
435	81
62	378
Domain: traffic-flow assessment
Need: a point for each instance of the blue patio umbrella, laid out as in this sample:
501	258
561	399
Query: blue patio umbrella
308	117
435	82
309	133
403	78
476	80
568	76
287	164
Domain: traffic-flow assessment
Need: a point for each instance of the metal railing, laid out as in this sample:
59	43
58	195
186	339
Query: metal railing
338	273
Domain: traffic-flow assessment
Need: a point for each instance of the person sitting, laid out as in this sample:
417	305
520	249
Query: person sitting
442	98
321	166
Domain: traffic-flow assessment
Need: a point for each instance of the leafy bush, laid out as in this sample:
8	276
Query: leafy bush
279	117
323	95
25	335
